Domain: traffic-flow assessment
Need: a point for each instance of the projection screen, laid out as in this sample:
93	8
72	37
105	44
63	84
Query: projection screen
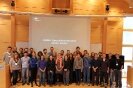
60	32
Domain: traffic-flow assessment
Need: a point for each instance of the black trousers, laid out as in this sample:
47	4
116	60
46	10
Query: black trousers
118	78
15	76
33	75
71	76
78	75
95	77
103	77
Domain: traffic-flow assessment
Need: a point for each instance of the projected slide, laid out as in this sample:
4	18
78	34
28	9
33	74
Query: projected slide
61	32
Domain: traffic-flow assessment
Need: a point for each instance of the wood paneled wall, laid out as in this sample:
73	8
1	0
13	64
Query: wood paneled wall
80	7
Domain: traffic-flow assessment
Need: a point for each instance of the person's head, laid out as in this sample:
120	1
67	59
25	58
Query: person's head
15	48
65	57
59	55
104	55
85	52
25	54
71	55
25	49
44	51
21	50
40	53
78	55
68	52
62	52
95	56
77	48
42	57
31	49
92	54
16	55
117	56
9	49
110	55
100	53
33	54
51	49
50	57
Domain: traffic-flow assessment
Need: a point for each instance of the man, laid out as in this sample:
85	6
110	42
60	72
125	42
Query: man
78	67
45	54
78	51
25	68
95	69
52	52
7	55
104	69
86	68
118	71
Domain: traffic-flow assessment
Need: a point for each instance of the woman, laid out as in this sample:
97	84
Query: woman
33	68
15	67
42	70
66	70
59	68
51	69
39	54
78	67
86	68
72	76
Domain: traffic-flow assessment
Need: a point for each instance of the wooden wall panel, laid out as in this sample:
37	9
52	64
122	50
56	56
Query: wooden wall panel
5	33
22	28
42	6
114	35
86	7
60	3
5	5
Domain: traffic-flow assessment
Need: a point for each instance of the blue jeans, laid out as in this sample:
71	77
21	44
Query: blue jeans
66	77
78	75
25	75
15	76
118	77
86	75
50	77
112	77
41	77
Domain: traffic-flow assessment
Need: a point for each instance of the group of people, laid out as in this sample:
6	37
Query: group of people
56	68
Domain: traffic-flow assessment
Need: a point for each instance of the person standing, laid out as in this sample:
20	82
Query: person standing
7	55
78	67
15	67
59	68
25	68
104	70
51	70
42	71
66	70
52	52
95	69
118	71
86	68
33	68
45	54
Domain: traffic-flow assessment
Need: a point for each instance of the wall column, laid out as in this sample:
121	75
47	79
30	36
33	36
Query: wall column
13	30
104	35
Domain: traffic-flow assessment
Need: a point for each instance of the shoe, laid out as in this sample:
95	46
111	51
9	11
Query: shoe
23	83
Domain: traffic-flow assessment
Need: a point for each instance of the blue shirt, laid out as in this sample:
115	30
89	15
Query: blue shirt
86	62
33	62
42	64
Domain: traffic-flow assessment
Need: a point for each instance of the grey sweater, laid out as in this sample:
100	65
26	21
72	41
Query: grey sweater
78	64
6	57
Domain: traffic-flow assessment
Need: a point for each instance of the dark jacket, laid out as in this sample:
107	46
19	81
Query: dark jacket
66	64
51	65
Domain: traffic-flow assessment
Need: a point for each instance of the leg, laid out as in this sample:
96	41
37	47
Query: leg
97	77
23	75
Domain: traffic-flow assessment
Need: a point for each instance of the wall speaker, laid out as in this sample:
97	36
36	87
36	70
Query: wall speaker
107	7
